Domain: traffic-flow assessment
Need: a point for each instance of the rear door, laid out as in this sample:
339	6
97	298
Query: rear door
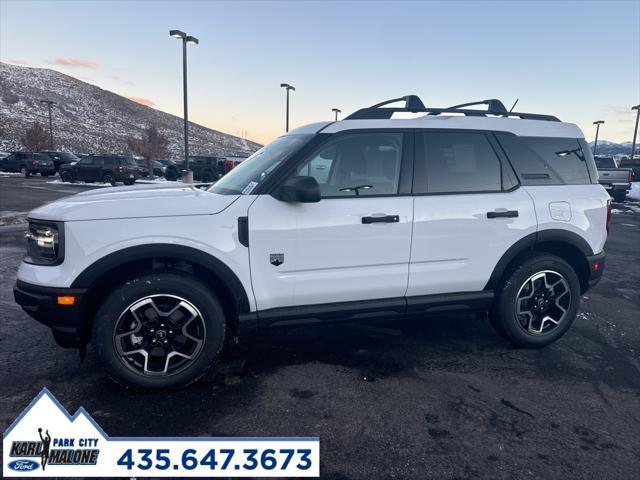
468	211
351	246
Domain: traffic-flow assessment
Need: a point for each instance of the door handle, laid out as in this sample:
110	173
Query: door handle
381	219
505	213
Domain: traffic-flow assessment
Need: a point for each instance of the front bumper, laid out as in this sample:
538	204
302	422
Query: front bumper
65	321
596	268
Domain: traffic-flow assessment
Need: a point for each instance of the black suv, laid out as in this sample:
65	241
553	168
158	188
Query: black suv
102	168
28	163
60	158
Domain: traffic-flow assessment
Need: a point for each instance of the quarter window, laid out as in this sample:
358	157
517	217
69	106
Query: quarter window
361	164
455	163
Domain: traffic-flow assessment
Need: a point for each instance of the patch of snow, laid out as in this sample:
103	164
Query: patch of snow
8	217
615	210
80	184
10	174
634	193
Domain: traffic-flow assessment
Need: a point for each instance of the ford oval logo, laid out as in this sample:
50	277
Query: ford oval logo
23	465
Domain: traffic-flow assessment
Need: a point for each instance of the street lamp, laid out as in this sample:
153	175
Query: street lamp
288	87
635	130
595	144
337	111
49	103
194	41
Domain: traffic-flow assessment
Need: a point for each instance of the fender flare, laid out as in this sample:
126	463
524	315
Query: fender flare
529	242
144	252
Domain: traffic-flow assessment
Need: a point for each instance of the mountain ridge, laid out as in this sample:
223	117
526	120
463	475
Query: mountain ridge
89	119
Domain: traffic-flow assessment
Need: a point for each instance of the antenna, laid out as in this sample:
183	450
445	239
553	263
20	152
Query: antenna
514	105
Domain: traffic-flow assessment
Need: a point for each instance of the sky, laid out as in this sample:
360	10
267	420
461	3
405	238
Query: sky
579	61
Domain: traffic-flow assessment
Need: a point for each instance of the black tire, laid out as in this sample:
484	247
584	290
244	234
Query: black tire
109	178
511	325
208	176
25	171
173	284
619	196
66	176
129	182
171	175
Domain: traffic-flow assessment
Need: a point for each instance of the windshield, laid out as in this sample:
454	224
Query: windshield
246	176
68	156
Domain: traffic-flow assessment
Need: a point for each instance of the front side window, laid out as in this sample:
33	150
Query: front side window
358	164
249	174
455	163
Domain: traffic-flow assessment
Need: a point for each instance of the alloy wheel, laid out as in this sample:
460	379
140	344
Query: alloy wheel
159	335
542	302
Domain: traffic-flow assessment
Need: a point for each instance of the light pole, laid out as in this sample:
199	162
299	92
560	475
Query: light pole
193	40
635	130
49	103
336	111
287	87
595	144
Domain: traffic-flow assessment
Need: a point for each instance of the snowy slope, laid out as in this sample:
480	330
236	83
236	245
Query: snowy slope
88	119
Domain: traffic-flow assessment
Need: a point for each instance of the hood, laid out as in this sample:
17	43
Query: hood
134	202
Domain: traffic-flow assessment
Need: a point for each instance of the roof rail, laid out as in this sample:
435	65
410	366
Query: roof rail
413	104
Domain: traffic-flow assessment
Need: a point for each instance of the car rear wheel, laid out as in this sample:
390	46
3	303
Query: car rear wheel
109	178
159	331
537	302
66	176
619	196
171	175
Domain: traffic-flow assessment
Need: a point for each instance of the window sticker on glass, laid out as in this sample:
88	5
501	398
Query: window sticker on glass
249	188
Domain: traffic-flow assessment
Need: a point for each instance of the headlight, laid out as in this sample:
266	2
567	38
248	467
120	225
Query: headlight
45	243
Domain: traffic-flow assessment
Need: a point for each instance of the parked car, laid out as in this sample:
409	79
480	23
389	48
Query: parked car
616	181
28	164
102	168
60	158
633	164
4	154
206	168
161	167
368	217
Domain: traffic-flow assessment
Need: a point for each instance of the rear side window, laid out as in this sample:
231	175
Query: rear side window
549	160
455	163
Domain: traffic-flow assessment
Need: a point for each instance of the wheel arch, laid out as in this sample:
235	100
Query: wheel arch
105	274
565	244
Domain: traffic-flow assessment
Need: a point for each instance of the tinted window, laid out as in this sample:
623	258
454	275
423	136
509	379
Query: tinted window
455	162
549	160
605	162
357	165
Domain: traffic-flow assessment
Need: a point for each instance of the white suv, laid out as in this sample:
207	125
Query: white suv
456	210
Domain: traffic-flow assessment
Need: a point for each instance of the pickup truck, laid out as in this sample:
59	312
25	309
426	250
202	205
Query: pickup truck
615	180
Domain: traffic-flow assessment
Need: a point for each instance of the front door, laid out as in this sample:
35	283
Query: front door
353	245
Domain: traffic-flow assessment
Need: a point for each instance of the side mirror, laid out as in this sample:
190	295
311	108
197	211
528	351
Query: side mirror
299	189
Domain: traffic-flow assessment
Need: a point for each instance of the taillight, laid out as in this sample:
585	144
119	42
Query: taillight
34	162
608	214
120	169
228	166
630	176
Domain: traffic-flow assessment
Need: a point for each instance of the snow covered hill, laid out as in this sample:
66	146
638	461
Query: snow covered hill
606	147
88	119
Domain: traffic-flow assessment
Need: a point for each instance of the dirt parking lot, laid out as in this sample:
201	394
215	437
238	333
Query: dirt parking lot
441	398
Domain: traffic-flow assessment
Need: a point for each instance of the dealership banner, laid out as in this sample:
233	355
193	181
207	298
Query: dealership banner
45	441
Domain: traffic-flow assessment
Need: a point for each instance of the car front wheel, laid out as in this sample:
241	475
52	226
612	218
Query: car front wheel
159	331
537	301
109	178
66	176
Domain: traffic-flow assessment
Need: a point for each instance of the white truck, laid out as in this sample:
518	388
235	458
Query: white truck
369	217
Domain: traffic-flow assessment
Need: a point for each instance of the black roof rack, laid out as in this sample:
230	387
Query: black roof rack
413	104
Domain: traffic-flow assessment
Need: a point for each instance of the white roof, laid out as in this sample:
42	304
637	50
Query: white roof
521	127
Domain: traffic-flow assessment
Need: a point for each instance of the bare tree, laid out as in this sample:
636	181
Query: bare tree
35	138
150	146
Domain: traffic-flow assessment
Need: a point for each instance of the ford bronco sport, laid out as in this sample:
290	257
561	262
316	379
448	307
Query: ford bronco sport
458	209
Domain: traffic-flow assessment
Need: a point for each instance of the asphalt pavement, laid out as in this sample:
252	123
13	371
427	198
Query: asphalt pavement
441	397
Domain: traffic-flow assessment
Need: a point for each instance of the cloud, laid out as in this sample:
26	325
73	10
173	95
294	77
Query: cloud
74	62
143	101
